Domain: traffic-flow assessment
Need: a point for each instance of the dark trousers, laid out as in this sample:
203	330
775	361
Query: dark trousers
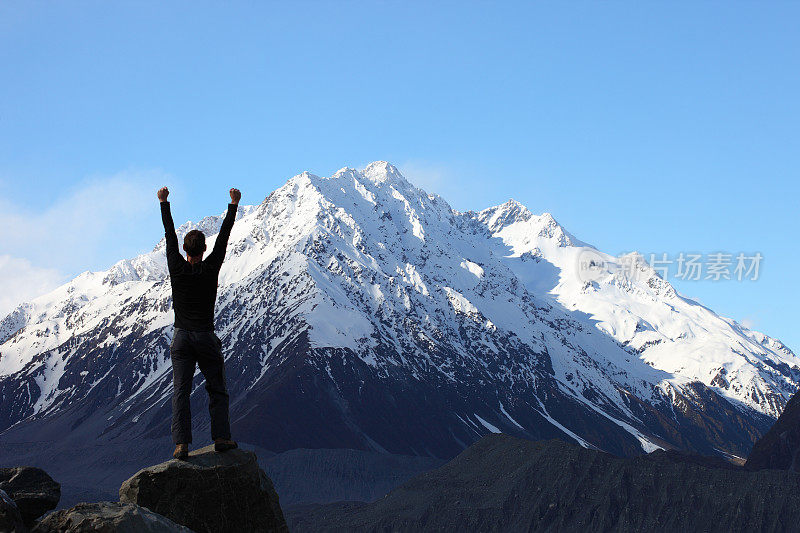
202	348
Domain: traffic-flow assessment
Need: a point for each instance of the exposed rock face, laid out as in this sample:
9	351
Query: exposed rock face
107	517
506	484
210	492
32	490
780	447
10	519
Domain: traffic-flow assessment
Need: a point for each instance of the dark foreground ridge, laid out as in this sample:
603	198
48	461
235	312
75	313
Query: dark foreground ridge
503	483
780	447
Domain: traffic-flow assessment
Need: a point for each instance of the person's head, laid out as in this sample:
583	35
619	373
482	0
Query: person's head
194	244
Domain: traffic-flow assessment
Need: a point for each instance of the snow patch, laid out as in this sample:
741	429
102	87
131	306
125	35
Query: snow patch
473	268
486	424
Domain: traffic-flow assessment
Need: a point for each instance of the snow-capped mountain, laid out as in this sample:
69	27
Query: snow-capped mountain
358	311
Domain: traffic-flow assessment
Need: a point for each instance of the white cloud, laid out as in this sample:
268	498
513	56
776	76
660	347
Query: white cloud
97	223
89	228
20	281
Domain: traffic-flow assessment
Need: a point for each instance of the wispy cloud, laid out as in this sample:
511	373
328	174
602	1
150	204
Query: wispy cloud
98	222
750	322
462	188
20	281
431	177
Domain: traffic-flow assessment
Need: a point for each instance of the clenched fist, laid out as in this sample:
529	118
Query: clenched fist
162	194
236	195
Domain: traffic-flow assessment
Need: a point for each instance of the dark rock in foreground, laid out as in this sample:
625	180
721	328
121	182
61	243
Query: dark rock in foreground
107	517
32	490
10	519
779	448
502	483
210	492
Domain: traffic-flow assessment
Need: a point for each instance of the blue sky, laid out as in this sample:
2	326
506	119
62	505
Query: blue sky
659	127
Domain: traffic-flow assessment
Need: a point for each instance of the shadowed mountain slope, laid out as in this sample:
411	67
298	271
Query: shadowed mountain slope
780	448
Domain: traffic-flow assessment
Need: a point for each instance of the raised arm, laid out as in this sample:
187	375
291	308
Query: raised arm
217	255
174	257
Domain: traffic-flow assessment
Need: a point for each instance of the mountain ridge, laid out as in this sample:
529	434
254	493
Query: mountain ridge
382	303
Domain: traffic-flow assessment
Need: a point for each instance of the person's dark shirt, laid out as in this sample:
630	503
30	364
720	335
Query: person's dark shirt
194	287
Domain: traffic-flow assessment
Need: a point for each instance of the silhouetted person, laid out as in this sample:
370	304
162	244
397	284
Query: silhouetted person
194	294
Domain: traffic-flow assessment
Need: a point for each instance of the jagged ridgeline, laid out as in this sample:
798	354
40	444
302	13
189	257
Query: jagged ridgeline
358	311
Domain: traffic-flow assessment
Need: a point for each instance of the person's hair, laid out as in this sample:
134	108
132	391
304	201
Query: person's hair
194	243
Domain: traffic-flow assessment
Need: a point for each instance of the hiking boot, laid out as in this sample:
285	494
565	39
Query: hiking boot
223	445
181	452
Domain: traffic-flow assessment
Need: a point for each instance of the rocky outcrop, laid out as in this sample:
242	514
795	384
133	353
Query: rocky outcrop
10	519
779	448
502	483
32	490
210	492
107	517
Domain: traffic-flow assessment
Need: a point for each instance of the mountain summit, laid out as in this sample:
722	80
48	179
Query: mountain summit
358	311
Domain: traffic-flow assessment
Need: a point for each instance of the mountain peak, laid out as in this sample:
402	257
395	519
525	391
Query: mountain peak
344	171
516	209
382	171
511	203
503	215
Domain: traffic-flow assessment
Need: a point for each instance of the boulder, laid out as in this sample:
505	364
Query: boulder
209	492
32	490
10	519
107	517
